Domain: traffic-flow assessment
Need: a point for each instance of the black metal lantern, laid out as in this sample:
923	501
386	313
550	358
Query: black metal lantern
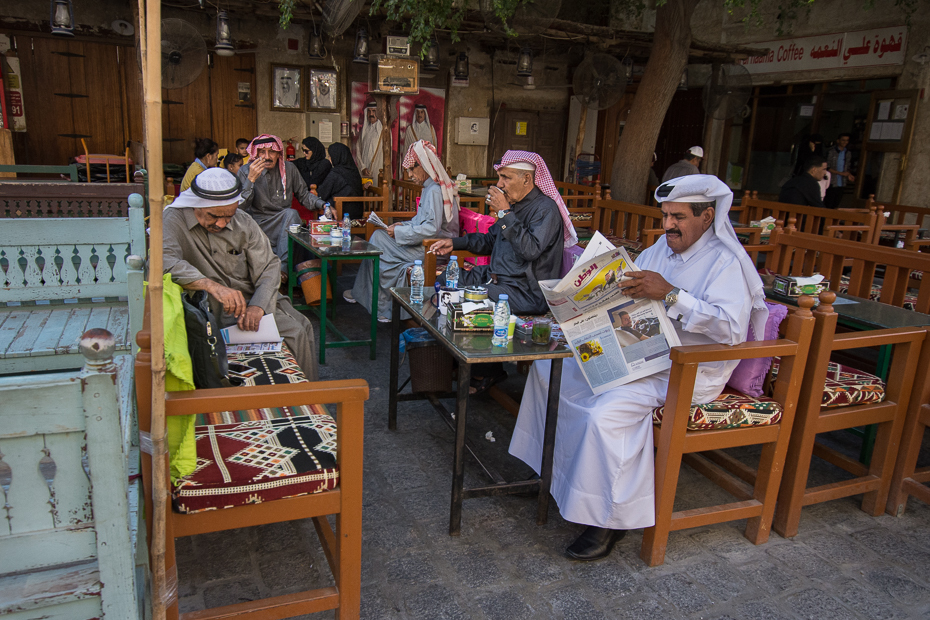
361	47
461	66
525	63
62	18
683	82
628	68
431	60
315	46
224	45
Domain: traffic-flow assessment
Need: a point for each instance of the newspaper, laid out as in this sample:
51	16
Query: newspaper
377	221
616	339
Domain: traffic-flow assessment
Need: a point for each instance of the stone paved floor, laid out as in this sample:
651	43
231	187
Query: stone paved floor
843	564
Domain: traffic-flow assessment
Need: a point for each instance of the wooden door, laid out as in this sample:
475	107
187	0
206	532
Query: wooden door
888	133
538	132
185	116
232	120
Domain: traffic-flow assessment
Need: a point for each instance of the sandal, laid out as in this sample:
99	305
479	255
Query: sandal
482	385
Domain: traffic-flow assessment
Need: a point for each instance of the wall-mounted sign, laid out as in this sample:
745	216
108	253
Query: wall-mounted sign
863	48
521	128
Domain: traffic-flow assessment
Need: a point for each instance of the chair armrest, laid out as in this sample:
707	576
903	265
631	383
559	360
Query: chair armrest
699	353
259	396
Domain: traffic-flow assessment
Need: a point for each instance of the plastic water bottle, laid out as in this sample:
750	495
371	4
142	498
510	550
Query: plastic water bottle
416	284
346	227
327	212
501	321
452	272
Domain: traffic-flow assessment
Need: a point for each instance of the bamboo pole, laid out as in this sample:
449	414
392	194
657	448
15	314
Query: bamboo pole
164	593
579	141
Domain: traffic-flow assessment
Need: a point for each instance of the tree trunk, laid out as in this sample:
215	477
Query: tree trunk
668	59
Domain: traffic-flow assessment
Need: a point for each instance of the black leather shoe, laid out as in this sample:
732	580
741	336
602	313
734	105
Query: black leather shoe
594	543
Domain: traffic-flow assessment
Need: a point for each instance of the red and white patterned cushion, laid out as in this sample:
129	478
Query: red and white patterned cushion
259	460
848	386
729	410
875	293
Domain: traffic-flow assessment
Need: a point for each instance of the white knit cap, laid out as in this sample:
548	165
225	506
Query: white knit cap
521	165
214	187
696	151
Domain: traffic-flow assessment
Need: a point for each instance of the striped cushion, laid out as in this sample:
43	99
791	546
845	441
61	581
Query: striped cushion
847	386
729	410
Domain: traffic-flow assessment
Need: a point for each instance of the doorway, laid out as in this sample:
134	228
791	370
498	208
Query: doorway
529	130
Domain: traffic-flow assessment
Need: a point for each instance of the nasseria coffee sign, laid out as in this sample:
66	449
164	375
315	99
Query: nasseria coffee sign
863	48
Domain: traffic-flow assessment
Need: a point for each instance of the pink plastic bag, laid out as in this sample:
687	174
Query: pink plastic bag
470	222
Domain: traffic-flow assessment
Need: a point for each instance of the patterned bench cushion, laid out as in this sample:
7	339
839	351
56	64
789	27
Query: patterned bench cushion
259	460
847	386
729	410
875	293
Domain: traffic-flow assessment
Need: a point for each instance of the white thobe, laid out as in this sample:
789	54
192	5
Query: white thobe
369	153
603	472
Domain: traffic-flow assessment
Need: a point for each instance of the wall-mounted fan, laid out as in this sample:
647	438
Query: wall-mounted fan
726	91
600	81
183	53
339	15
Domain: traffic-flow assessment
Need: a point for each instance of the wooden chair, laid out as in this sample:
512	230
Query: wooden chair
343	548
848	225
901	218
821	409
625	219
676	443
801	254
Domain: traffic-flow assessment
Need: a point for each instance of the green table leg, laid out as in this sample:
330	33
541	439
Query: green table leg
883	365
376	284
324	268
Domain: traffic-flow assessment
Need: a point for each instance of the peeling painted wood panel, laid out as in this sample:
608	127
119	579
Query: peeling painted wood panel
28	497
80	609
51	333
73	291
35	550
72	487
40	404
73	330
47	589
11	327
48	231
118	325
28	334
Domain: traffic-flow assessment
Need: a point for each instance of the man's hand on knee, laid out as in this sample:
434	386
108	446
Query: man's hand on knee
251	318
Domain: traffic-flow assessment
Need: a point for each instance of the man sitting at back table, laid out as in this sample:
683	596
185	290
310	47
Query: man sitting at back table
526	242
603	471
210	245
804	189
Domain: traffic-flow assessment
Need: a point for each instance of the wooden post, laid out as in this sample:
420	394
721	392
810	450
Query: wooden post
386	149
150	44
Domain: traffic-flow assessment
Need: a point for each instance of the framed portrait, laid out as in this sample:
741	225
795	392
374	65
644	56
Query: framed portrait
324	89
287	88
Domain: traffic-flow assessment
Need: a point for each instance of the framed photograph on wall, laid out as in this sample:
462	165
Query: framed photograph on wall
287	86
324	91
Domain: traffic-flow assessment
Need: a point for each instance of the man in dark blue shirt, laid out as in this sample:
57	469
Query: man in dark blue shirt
804	189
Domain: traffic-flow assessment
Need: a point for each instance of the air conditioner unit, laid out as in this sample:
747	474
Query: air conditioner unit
393	75
398	46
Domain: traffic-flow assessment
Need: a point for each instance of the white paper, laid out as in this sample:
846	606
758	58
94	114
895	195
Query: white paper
377	221
814	279
900	112
267	332
893	131
884	110
876	132
470	306
258	347
596	246
326	131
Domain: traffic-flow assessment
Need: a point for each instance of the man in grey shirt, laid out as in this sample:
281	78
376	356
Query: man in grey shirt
210	245
688	165
269	184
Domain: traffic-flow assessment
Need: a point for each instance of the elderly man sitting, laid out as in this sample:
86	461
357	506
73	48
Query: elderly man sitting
526	242
269	184
603	474
210	245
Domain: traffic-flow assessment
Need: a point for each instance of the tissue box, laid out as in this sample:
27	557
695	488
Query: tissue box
481	320
787	286
321	228
463	185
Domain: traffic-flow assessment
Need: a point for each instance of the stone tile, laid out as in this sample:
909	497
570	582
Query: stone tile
890	544
223	555
835	548
682	592
893	582
719	580
475	567
415	568
436	602
759	610
230	592
508	606
727	541
865	600
797	556
639	607
611	577
574	604
813	604
291	570
535	567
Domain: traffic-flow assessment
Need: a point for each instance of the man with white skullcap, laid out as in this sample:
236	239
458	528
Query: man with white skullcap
603	474
210	245
686	165
526	242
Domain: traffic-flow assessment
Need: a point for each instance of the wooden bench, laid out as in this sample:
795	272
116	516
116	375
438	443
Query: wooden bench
66	200
852	225
70	170
62	276
70	543
343	500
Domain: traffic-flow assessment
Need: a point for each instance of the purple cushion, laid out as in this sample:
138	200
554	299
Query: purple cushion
750	374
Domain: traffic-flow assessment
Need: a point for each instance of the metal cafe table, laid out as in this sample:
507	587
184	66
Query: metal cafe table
475	348
328	251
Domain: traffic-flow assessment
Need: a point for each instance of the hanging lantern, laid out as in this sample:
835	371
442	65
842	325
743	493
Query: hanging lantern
525	63
628	68
683	82
62	19
361	47
315	46
461	66
431	60
224	45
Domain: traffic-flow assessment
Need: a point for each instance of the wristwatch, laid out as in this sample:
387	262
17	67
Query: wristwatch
672	298
502	213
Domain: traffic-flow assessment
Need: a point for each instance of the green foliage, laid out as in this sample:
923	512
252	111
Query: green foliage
286	7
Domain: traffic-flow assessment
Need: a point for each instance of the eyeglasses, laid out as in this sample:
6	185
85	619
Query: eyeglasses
305	150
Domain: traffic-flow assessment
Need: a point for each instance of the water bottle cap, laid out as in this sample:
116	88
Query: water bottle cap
503	297
417	262
453	257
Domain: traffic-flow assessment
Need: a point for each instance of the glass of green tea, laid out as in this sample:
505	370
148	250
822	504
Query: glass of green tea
542	330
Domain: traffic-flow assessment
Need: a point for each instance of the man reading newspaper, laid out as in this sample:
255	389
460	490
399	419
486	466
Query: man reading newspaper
603	474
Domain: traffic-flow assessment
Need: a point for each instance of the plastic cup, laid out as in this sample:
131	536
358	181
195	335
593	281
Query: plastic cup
542	331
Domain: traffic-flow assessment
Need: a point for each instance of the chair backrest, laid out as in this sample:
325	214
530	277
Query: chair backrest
64	474
70	170
38	199
849	225
625	219
65	258
404	195
902	214
802	254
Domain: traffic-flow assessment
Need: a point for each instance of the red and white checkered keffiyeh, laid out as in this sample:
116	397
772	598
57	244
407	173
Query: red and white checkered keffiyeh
424	153
543	180
277	145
